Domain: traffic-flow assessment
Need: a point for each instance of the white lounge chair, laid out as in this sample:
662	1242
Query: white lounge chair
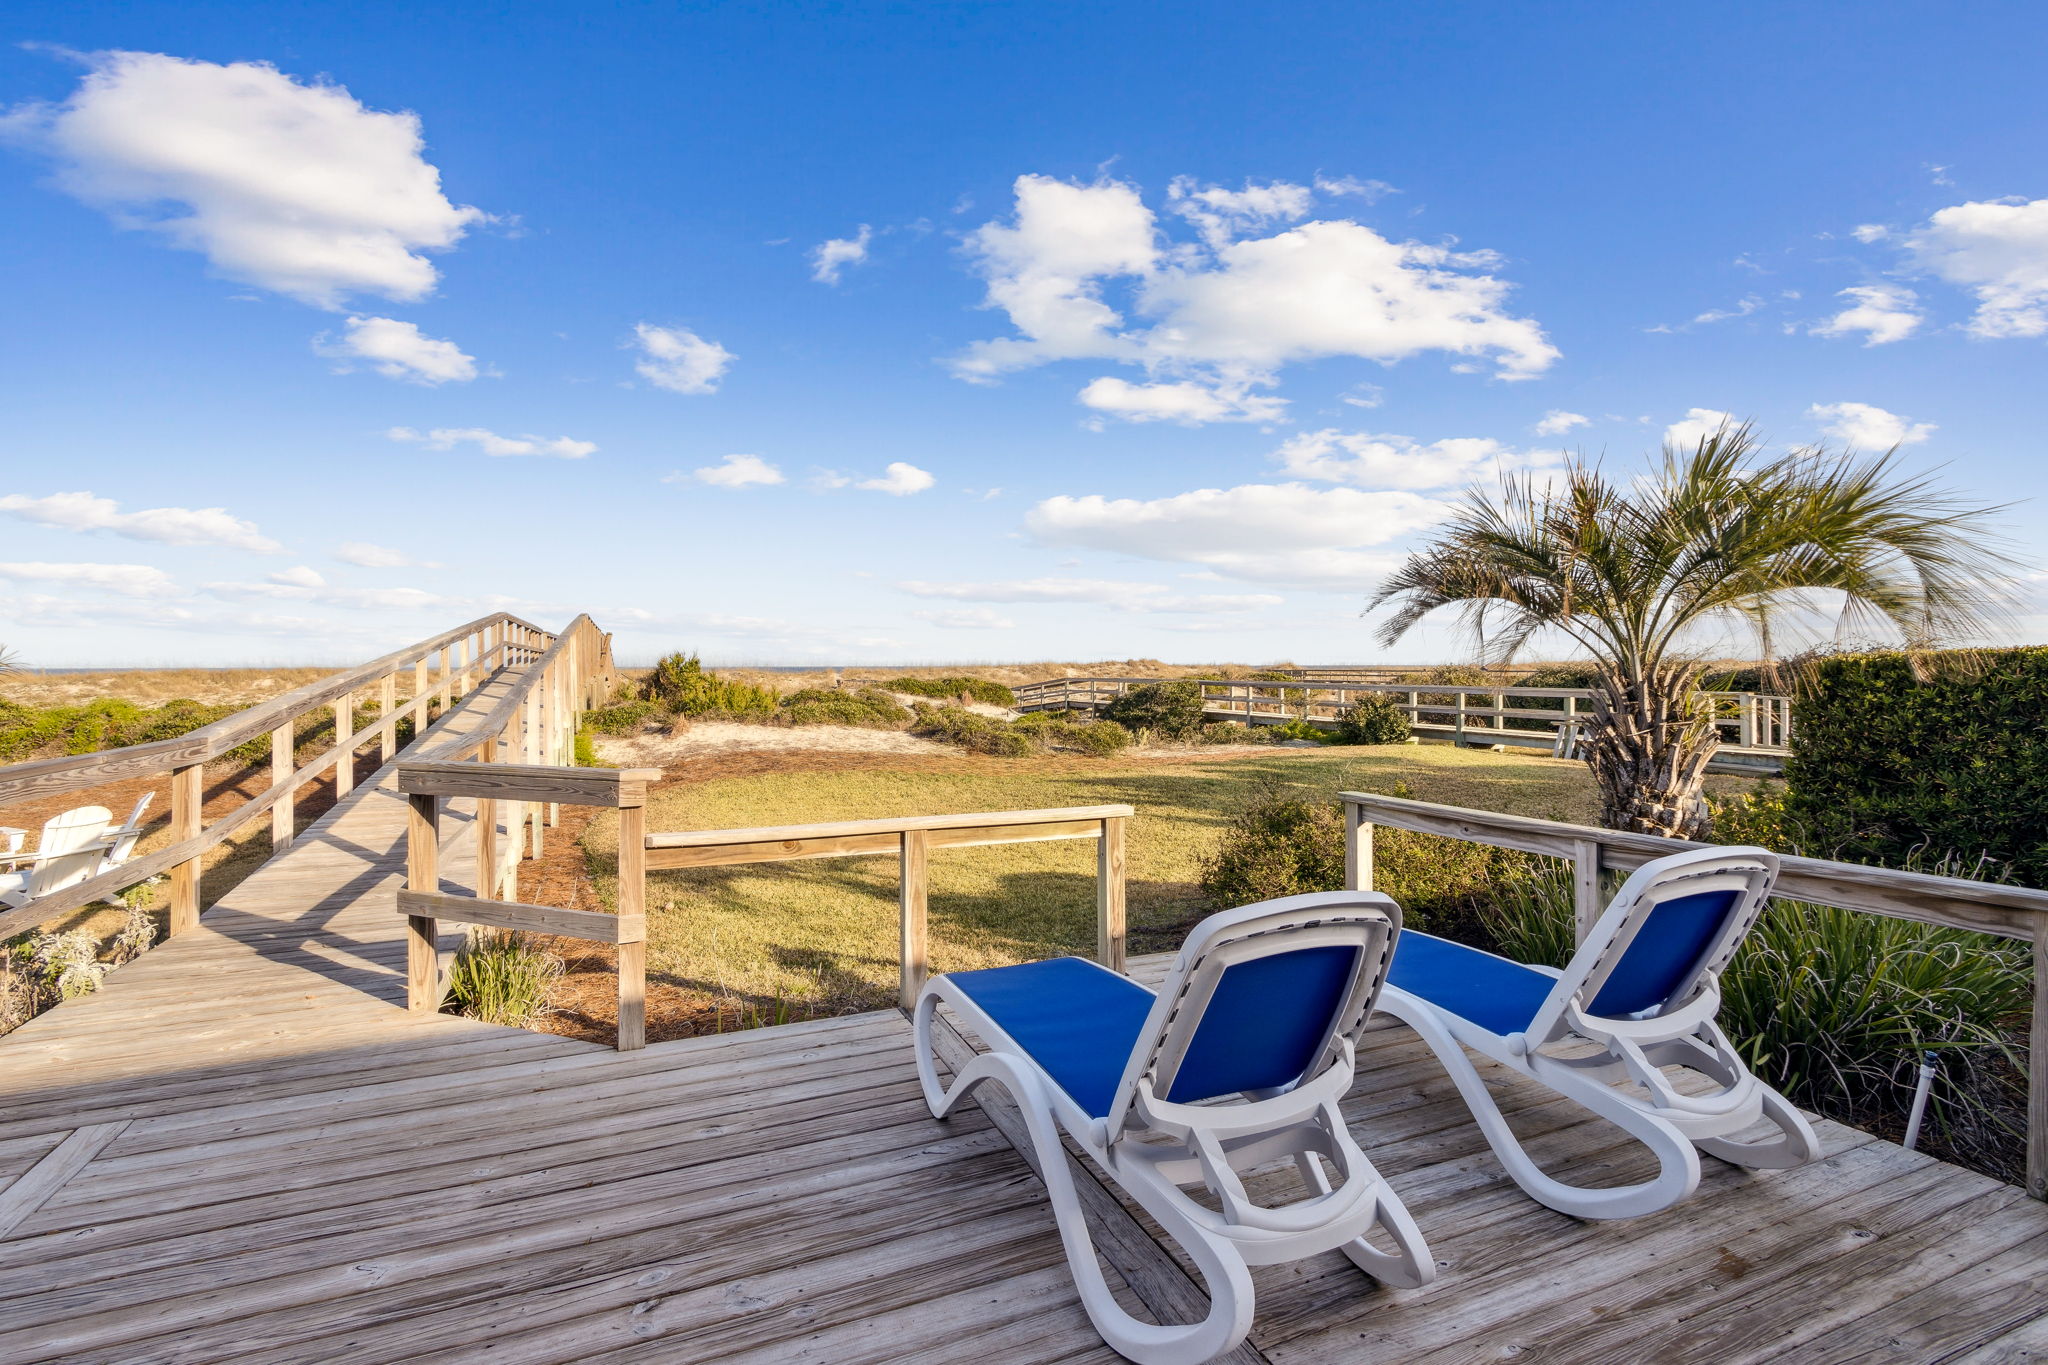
1238	1061
1644	987
69	851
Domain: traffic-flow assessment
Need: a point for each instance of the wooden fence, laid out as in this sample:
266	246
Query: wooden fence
1756	727
1957	903
438	670
911	839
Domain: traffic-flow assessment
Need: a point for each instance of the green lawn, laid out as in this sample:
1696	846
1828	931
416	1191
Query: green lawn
820	936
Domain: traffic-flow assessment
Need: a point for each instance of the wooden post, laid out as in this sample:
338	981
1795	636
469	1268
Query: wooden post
2037	1068
447	682
282	818
633	901
387	712
1500	704
1458	735
188	797
422	873
487	833
344	736
1586	899
535	751
422	698
1109	894
1357	848
911	901
1746	735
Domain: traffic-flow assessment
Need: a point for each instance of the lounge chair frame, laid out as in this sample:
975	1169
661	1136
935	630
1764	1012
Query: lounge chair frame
1681	1032
1154	1147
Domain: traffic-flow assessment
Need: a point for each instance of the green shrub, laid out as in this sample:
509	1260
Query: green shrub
1299	729
621	718
106	723
974	732
1282	843
1951	766
1373	719
870	707
951	689
1100	738
586	748
1532	917
680	683
1234	732
500	978
1165	710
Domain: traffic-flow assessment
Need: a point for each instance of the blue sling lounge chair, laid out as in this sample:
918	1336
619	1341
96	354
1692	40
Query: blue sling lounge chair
1238	1061
1644	987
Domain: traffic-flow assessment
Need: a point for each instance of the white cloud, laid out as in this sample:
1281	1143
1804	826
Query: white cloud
1867	427
1186	402
1870	232
491	443
1744	306
1364	396
296	188
1269	532
279	588
1229	312
1998	250
397	350
1370	461
1221	216
831	257
170	525
1557	422
129	580
967	618
734	471
899	480
1697	425
677	359
299	576
368	556
1882	312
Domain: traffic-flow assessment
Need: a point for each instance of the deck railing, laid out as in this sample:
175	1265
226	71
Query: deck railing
1955	902
1755	724
440	669
911	839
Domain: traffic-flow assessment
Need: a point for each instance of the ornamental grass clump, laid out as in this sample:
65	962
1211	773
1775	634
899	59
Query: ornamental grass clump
501	978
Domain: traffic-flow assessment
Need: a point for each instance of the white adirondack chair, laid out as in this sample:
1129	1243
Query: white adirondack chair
69	851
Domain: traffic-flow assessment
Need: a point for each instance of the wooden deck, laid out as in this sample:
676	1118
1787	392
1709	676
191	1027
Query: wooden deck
245	1149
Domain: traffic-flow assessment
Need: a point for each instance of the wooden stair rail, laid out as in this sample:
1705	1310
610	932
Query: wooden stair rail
424	903
482	647
1953	902
911	839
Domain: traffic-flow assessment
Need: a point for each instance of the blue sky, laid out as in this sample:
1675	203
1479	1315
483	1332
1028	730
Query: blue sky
1152	332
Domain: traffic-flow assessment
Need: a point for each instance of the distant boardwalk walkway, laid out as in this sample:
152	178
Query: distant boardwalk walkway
245	1149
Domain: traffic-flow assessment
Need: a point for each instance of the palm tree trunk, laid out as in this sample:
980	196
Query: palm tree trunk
1649	745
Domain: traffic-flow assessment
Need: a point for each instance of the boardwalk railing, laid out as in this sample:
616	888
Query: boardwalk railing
440	669
1754	725
1955	902
911	839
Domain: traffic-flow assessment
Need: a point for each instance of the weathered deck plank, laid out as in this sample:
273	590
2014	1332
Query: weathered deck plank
282	1165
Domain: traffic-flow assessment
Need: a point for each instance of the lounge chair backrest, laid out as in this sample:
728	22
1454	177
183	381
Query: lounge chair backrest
59	859
1260	996
1665	937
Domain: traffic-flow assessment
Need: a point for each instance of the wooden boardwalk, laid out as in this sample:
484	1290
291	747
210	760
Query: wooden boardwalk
244	1149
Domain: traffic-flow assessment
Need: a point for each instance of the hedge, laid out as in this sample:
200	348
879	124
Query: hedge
1905	771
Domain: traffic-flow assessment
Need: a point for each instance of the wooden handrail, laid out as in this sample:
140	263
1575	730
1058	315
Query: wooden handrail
183	759
53	776
911	838
1952	902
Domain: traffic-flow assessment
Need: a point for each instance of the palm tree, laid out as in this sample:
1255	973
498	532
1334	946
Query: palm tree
1637	573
